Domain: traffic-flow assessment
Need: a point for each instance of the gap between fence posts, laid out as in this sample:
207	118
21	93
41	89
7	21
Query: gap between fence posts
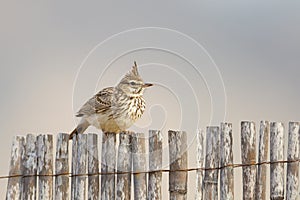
108	165
226	158
93	166
14	185
248	152
263	144
292	175
30	168
62	184
139	164
45	166
276	154
155	163
178	161
212	160
124	165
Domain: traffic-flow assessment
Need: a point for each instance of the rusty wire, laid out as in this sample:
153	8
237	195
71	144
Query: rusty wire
152	171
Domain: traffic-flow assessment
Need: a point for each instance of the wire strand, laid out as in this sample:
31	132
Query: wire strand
151	171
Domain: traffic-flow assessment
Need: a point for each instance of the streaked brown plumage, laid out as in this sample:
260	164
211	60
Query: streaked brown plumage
114	109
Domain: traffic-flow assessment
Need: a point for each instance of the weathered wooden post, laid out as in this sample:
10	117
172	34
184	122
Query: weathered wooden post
14	186
108	165
30	168
293	167
93	166
124	167
74	160
226	173
155	163
248	148
80	165
178	161
262	157
212	160
45	166
62	184
139	165
276	154
200	162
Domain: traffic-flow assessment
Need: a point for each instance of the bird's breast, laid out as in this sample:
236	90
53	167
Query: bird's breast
136	108
130	108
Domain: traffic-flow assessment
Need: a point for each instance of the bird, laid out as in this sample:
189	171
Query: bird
114	109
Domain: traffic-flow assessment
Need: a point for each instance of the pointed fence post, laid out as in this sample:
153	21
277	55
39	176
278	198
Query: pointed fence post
93	166
292	182
200	164
30	168
124	167
276	154
139	164
62	184
108	165
212	160
45	166
14	186
155	163
178	161
263	144
226	155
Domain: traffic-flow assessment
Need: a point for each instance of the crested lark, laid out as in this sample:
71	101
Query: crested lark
114	109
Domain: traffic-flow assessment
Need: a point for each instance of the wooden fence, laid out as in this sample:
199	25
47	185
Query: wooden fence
36	174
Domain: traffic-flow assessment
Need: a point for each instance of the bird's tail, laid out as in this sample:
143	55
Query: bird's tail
81	127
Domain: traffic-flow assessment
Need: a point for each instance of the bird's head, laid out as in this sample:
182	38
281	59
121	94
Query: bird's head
132	83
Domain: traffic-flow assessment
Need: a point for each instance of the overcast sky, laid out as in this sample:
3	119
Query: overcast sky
211	62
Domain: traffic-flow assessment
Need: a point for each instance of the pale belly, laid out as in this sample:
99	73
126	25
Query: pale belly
110	125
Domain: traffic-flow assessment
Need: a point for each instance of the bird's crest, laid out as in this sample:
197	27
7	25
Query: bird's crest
133	74
134	70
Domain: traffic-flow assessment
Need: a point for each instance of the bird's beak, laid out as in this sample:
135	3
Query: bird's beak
147	85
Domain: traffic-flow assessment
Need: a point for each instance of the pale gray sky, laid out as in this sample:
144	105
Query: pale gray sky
254	44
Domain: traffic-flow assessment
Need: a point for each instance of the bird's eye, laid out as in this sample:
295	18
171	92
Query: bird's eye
132	83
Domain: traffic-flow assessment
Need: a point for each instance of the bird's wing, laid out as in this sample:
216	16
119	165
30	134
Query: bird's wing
98	103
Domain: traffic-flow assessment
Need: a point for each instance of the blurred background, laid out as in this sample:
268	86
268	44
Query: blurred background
211	62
